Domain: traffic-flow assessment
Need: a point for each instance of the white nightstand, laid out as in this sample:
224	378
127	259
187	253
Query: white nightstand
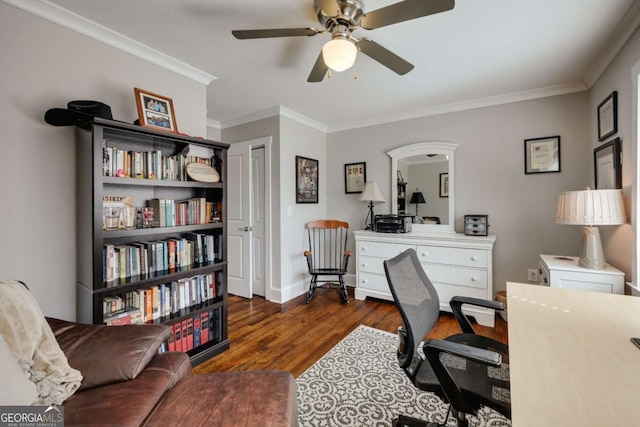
564	272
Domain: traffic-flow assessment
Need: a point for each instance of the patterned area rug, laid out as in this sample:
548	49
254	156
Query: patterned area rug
359	383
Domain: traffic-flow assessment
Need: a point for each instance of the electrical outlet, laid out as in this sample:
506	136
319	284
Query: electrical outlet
532	275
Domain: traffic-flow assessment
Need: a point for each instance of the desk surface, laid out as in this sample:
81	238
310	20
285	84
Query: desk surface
571	360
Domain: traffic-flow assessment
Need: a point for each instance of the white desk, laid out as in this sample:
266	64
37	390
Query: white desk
571	360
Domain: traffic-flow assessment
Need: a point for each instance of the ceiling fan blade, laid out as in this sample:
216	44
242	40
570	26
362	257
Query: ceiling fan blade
328	7
276	32
384	56
319	70
404	11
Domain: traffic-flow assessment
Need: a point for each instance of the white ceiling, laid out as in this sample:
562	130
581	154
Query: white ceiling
479	53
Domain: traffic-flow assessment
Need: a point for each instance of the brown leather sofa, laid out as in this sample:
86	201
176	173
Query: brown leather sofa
128	383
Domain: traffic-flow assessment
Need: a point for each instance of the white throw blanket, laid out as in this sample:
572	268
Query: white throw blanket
32	342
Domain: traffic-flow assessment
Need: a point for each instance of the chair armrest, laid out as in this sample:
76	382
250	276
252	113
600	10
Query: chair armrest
480	355
456	307
432	350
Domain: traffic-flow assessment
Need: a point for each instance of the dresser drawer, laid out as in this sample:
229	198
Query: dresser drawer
467	277
453	256
374	282
447	291
371	264
382	250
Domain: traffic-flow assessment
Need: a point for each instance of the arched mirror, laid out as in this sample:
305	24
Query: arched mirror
422	185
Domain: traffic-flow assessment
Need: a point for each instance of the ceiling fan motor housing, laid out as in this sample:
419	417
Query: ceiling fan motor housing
350	13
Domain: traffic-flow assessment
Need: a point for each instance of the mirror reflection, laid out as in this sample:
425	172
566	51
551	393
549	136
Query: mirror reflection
422	188
422	185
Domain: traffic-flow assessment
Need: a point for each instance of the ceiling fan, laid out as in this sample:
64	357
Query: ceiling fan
340	18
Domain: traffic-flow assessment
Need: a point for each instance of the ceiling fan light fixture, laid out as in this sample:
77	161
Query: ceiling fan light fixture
339	54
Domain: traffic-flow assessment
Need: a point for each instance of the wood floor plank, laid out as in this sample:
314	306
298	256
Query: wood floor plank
294	335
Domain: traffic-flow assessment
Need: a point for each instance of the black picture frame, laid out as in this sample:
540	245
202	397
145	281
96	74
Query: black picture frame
444	184
608	165
307	173
355	177
542	155
608	116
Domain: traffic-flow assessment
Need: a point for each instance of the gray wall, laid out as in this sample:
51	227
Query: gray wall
620	242
489	171
46	66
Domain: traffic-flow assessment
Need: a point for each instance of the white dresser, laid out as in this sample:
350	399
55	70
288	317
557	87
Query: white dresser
564	272
456	265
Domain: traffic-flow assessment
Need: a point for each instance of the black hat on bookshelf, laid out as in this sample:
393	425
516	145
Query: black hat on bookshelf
77	113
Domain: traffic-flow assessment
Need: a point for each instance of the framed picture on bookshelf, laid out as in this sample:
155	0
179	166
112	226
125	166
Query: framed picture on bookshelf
155	111
306	180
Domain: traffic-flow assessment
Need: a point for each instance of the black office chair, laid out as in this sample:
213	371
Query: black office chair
466	370
327	257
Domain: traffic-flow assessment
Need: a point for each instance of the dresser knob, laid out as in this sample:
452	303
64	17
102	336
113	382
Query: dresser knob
365	281
474	258
425	253
473	279
364	264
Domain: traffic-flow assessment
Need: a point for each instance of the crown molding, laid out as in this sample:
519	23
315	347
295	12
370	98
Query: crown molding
466	105
620	36
74	22
270	112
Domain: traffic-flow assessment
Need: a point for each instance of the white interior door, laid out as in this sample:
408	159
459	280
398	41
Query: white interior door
239	220
258	220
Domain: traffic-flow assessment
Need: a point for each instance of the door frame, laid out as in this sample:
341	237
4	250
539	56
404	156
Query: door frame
264	142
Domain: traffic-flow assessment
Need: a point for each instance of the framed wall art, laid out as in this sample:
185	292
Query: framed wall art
306	180
542	155
355	177
444	185
608	116
155	111
608	166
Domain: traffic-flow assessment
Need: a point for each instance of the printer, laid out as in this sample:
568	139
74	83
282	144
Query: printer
393	223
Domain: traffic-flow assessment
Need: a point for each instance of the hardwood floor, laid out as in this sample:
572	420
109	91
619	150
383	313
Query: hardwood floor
293	335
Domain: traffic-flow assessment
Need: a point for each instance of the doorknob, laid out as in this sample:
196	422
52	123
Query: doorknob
244	228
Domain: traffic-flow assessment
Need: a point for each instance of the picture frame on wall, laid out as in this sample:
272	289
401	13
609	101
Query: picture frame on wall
608	116
155	111
444	184
542	155
608	165
355	177
306	180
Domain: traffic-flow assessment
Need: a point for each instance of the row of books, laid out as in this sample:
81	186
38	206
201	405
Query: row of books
170	213
195	331
144	305
146	259
147	164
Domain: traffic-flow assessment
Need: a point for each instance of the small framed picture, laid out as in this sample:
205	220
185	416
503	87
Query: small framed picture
444	185
155	111
608	165
306	180
608	116
542	155
355	176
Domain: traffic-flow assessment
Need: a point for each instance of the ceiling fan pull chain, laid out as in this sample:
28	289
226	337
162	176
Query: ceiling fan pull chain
329	73
355	75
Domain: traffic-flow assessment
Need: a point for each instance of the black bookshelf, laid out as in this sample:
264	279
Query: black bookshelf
93	183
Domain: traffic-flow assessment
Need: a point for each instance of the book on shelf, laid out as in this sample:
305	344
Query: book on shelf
171	346
204	327
128	317
189	333
196	331
184	336
177	340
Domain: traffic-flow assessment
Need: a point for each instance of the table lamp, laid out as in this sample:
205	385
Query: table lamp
372	195
591	208
417	198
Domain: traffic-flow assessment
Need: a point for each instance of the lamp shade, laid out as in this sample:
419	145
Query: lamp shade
339	54
372	193
417	197
591	207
